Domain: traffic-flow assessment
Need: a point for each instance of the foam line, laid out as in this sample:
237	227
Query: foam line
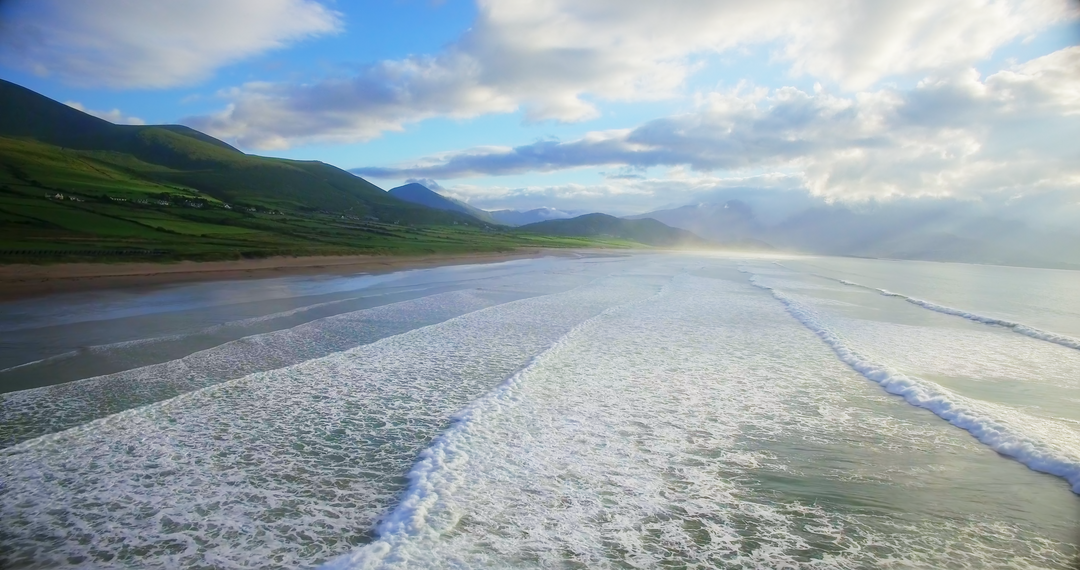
437	474
1020	328
34	412
104	348
33	362
953	409
25	413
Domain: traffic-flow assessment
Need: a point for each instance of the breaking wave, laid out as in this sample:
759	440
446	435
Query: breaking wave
1020	328
437	473
957	410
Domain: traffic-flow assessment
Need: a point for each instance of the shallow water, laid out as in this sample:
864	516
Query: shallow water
639	411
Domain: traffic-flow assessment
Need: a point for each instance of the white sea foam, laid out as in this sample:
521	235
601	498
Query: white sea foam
993	363
282	468
439	471
704	427
553	281
31	413
1021	328
39	361
127	344
648	438
813	300
29	314
962	412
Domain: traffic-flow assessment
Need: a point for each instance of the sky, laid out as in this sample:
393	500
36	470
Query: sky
620	106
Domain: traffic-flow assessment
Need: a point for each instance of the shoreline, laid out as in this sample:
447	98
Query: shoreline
24	281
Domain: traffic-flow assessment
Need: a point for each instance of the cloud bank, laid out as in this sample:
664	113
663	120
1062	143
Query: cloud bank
951	135
150	44
899	111
557	59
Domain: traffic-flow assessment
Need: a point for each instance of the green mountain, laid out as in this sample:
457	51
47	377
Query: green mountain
419	194
75	187
86	153
647	231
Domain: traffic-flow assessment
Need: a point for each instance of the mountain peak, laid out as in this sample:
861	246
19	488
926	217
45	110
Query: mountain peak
419	194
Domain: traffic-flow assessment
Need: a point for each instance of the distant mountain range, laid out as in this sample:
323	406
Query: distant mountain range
732	220
518	218
419	194
929	230
552	222
646	231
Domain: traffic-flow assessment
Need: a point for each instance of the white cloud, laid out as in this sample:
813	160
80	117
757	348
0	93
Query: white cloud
427	183
382	98
556	59
1010	134
113	116
150	44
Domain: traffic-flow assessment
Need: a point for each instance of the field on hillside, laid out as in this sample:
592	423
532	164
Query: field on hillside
65	205
74	187
41	229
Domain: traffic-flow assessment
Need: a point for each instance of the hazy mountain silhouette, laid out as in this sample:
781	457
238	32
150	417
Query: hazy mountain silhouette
419	194
932	230
519	218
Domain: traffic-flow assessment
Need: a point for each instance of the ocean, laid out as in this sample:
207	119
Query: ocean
625	411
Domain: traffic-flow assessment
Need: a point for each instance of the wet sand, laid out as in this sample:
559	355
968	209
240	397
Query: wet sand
19	281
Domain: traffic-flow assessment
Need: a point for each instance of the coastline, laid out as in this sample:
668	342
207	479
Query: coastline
23	281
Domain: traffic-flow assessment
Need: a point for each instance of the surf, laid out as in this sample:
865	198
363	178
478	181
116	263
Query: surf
958	411
1020	328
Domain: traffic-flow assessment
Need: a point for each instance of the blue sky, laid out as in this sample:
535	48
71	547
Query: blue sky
613	105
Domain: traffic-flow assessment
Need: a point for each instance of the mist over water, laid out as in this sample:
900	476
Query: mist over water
639	411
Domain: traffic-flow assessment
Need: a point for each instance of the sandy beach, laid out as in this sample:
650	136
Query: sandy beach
18	281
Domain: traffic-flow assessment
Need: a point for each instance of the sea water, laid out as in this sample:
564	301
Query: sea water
693	410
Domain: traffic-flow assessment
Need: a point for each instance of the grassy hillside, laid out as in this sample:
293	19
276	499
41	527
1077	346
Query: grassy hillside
647	231
79	147
74	187
66	205
420	194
